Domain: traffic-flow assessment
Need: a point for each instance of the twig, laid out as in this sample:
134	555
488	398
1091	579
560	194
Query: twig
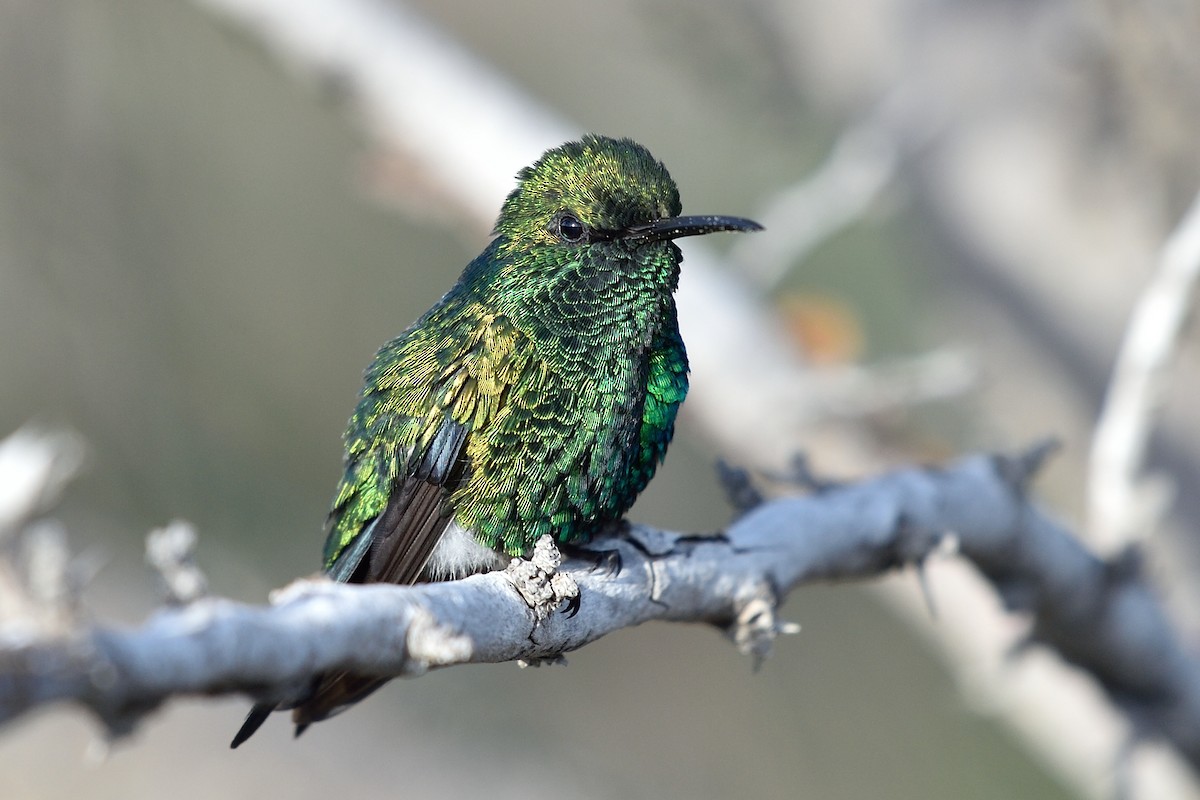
171	551
1124	505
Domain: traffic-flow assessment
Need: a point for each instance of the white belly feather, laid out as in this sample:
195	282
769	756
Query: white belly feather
458	554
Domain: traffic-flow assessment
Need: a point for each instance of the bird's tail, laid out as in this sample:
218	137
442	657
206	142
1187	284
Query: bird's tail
254	720
334	693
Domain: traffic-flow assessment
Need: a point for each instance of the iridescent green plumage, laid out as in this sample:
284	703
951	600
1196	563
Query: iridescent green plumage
538	396
563	361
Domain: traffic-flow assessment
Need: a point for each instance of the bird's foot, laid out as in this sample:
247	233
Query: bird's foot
740	491
607	561
602	559
543	588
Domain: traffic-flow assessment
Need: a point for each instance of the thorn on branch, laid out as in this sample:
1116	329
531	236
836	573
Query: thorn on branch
739	487
800	474
756	626
1018	471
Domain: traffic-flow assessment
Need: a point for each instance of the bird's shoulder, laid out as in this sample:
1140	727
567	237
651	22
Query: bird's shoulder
462	368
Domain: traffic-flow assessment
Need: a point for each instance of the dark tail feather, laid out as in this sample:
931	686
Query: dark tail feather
254	720
301	728
333	694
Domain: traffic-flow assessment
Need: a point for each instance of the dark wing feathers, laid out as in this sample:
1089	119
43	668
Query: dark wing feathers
393	548
395	545
343	570
443	453
405	535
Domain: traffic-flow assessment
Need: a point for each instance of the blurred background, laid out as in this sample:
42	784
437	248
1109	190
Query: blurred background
199	255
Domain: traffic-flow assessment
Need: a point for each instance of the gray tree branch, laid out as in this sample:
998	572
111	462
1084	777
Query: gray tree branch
1099	616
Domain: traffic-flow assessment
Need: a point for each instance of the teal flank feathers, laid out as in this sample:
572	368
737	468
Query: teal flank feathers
538	396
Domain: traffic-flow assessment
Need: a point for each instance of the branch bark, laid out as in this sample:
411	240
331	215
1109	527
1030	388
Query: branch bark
1099	616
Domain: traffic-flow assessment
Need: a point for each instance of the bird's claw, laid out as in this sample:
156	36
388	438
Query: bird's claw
609	561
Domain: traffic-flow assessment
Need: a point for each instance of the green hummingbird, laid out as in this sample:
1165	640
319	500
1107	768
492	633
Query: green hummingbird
538	396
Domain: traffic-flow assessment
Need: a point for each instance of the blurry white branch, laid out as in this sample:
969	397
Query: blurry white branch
809	213
39	583
801	218
850	391
1098	616
34	467
862	163
1124	505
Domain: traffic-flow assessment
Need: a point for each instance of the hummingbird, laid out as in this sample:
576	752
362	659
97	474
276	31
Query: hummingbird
538	396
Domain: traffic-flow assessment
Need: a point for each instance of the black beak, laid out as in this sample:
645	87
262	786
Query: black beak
676	227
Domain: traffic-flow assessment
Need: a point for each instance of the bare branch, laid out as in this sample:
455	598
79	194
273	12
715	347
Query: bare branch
1125	506
852	391
1100	617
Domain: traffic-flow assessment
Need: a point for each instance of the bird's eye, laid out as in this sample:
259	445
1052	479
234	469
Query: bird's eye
569	228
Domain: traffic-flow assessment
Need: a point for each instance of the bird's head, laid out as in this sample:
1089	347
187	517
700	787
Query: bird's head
598	191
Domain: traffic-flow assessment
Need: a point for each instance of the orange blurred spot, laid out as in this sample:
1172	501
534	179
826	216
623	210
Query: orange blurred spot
826	329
